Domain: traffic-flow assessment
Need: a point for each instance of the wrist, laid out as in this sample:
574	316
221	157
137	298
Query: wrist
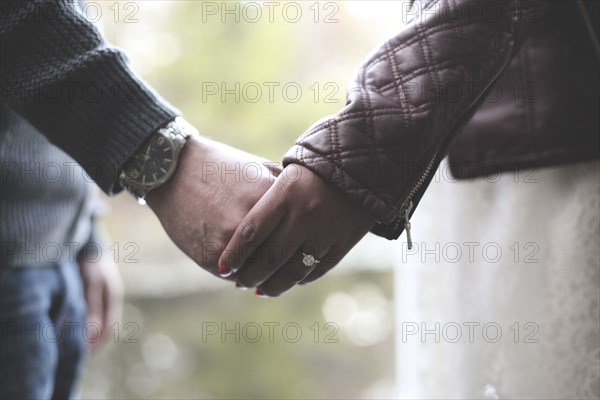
156	161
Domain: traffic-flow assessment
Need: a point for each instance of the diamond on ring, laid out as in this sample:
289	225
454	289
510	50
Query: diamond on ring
309	260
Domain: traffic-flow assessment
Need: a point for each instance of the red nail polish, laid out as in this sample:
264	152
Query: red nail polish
260	293
240	287
224	271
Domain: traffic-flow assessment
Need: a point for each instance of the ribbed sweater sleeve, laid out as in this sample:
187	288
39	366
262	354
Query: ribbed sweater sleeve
58	73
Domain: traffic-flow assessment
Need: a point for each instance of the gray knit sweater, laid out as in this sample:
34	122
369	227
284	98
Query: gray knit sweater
66	97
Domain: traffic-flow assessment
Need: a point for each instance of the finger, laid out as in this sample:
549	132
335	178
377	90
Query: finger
93	298
260	222
330	260
109	305
111	290
273	167
274	252
101	318
295	270
114	295
334	256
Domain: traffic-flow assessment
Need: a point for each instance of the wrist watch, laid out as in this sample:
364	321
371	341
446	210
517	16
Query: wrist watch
156	161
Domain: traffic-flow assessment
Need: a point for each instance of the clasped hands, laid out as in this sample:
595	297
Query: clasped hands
245	219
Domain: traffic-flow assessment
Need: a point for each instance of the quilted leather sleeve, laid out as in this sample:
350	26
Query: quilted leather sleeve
406	103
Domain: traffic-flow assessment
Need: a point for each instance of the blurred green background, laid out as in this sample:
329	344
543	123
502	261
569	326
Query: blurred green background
254	75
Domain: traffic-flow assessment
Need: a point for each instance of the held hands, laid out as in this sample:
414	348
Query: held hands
241	218
212	190
299	216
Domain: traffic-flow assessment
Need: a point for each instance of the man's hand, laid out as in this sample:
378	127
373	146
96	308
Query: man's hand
210	193
300	215
103	290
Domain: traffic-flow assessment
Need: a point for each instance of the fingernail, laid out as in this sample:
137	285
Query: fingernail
240	287
224	271
259	293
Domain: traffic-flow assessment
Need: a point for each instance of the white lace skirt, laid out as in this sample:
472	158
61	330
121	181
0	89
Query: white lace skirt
499	297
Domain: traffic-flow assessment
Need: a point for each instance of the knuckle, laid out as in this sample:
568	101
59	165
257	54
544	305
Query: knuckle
334	253
312	204
247	230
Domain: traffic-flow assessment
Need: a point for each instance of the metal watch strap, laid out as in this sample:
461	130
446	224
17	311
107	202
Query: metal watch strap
179	127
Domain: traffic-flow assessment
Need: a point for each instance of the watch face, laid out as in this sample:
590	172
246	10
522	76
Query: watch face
152	163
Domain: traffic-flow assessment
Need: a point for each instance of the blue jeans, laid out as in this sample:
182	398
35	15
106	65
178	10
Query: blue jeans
42	342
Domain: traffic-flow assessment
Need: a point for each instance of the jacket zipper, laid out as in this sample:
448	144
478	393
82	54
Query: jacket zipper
407	206
588	25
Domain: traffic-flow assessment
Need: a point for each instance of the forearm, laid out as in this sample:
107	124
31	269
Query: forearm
58	72
384	146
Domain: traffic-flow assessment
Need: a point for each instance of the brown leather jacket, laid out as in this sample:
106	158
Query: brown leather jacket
496	84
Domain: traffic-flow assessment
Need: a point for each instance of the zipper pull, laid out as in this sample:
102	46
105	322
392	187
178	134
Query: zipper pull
407	211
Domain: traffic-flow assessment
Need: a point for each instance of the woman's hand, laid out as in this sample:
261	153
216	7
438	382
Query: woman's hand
299	216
